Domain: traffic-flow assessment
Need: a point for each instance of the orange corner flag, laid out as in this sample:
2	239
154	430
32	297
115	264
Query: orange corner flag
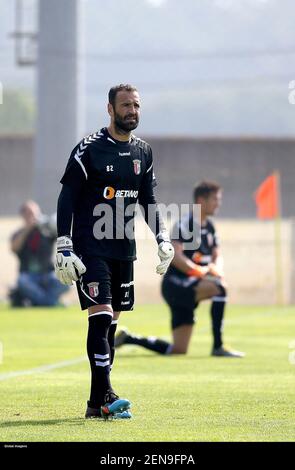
267	198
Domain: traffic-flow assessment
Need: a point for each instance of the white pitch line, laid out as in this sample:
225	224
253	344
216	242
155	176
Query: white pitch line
38	370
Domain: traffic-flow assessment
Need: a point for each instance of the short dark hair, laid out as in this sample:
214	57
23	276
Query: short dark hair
115	89
26	204
205	189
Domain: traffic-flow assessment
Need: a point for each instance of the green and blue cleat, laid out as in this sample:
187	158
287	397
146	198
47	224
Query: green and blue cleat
118	409
124	415
114	408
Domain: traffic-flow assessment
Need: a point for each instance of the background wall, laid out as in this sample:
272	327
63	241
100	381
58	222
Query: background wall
239	165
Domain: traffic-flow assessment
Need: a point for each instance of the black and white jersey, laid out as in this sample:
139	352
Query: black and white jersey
208	240
109	176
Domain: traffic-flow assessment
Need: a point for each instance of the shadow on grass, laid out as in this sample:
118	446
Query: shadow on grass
48	422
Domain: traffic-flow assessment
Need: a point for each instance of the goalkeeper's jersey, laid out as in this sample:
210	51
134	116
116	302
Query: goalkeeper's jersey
109	177
208	240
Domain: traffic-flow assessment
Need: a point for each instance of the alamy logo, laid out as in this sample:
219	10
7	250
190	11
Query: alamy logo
116	221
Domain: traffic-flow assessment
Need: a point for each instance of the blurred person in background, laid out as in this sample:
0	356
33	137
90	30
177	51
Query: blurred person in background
193	276
33	244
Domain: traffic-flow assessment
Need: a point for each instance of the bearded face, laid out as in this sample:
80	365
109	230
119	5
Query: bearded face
126	111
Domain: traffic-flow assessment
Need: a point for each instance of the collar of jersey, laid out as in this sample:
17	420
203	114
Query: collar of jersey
118	142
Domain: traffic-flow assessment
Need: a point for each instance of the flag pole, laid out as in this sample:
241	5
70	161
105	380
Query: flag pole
278	245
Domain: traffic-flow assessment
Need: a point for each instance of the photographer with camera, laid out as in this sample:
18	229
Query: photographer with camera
33	244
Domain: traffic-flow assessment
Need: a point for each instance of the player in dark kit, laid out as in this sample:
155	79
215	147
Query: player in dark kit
107	173
194	275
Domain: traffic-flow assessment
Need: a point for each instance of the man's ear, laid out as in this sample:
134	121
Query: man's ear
110	110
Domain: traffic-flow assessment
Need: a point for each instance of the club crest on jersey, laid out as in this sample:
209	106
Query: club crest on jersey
137	166
93	289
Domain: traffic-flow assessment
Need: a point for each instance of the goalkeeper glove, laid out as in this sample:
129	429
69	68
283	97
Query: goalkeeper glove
166	255
68	267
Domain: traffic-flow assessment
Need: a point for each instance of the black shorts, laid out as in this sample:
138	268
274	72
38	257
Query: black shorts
106	281
180	295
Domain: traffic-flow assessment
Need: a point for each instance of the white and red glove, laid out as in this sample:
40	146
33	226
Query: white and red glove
68	267
166	255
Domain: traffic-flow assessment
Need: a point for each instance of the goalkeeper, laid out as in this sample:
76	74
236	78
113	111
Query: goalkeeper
107	173
193	276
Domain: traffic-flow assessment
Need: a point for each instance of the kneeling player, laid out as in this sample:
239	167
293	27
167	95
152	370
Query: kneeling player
193	276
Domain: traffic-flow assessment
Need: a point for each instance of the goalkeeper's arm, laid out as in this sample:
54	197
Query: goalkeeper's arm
65	209
68	267
154	220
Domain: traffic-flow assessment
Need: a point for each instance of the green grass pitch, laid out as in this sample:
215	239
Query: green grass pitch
185	398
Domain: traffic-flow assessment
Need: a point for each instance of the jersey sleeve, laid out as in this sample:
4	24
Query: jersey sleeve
214	235
215	240
77	169
149	179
